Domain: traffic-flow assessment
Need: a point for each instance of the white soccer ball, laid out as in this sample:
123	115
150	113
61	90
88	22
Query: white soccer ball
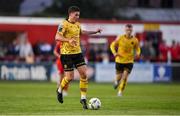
94	103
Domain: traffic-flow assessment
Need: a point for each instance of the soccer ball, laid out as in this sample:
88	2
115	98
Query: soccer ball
94	103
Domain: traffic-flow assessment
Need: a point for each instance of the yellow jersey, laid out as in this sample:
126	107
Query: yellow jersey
126	48
70	30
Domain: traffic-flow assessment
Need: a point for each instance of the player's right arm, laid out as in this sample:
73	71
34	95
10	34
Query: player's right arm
60	35
113	46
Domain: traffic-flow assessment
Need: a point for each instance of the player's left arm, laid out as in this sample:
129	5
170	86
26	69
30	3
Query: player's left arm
91	32
137	48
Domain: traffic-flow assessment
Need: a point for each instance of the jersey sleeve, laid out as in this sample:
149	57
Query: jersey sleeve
62	28
114	44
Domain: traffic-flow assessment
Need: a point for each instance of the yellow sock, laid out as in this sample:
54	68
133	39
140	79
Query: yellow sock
83	85
122	85
64	82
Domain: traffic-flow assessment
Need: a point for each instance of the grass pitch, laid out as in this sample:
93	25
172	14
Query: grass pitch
33	98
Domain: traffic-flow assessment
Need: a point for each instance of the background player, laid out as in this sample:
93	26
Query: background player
71	55
124	57
60	67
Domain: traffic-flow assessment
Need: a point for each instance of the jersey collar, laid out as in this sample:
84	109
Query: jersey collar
126	36
70	22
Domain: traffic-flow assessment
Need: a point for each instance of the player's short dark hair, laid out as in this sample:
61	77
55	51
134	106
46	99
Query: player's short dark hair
73	9
129	25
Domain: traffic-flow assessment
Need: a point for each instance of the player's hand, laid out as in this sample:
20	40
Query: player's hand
73	42
99	30
117	55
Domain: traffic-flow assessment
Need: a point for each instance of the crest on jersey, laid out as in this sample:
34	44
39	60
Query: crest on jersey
132	43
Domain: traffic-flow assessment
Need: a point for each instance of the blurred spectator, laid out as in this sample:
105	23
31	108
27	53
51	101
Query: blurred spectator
92	53
2	49
111	56
99	53
25	49
147	51
44	48
174	51
36	48
105	58
105	55
152	50
163	51
13	48
178	45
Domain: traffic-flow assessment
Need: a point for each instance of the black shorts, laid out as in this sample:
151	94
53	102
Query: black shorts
121	67
71	61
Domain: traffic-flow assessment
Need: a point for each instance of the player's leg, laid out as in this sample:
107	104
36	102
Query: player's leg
127	70
65	90
59	79
117	79
123	83
69	75
61	72
83	85
119	72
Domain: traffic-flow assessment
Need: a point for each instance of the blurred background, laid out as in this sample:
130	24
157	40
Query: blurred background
28	27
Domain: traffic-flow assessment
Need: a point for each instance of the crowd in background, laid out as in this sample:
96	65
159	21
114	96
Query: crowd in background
150	52
21	50
162	52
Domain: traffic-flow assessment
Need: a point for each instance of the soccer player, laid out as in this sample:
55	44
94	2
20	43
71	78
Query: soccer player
60	67
71	55
124	57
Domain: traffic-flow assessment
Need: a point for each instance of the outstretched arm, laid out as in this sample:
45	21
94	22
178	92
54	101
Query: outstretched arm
91	32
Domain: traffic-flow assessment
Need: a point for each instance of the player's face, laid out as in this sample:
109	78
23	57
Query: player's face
74	16
128	30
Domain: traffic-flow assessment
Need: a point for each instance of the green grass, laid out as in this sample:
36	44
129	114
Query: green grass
40	98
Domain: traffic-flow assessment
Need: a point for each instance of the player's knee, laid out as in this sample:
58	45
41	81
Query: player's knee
83	76
69	78
119	72
118	77
124	77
